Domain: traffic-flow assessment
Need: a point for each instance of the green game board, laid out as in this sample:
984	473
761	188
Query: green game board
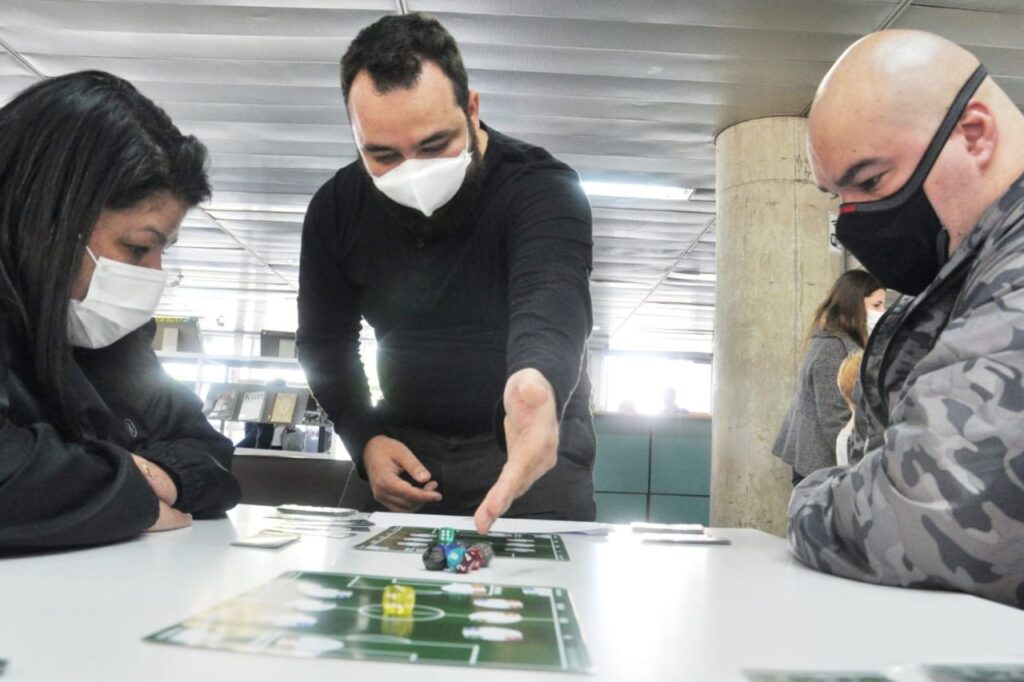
332	615
510	545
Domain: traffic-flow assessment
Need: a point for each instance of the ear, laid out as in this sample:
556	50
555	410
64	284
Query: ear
980	133
474	109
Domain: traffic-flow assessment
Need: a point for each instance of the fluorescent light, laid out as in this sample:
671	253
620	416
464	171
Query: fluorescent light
624	190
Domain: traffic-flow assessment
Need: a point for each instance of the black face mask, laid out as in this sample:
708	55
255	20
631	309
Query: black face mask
900	239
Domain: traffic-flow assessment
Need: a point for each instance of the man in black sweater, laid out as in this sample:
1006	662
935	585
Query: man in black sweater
469	254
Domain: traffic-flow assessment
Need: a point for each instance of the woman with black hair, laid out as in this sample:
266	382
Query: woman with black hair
807	440
97	443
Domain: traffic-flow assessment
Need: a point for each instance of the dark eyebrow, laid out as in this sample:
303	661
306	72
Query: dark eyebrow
377	148
425	142
853	170
437	137
160	236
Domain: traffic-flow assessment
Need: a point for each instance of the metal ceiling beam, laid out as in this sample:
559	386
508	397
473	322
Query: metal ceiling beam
891	19
668	272
894	15
18	57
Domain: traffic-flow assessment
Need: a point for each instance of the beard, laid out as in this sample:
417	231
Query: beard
454	217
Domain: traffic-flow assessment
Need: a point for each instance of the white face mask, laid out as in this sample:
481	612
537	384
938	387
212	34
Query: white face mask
121	299
873	317
425	184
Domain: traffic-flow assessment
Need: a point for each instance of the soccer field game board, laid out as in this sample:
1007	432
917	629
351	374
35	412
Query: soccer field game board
332	615
509	545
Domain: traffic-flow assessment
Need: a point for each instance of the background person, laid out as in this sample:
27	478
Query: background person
807	439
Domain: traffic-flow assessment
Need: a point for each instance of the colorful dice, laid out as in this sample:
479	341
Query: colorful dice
398	600
454	557
445	536
471	560
486	553
434	558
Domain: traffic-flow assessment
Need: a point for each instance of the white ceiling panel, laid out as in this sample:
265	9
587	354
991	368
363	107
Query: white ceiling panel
629	92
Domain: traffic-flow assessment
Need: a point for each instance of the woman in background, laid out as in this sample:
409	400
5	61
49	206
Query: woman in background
97	443
807	440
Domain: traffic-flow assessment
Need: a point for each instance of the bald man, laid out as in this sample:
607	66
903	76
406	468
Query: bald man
926	153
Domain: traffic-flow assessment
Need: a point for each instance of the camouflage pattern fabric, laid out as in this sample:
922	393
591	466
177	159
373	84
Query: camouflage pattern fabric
939	501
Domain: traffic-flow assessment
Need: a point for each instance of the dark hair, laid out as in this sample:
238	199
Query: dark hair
843	311
392	50
71	147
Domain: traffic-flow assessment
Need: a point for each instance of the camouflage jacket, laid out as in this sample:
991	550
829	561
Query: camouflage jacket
940	502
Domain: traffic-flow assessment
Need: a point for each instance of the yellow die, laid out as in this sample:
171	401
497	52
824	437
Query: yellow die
398	600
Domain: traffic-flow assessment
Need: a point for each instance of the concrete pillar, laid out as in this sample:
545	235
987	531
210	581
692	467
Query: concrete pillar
774	266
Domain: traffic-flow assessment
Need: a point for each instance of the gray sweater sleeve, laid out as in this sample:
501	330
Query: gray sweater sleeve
832	411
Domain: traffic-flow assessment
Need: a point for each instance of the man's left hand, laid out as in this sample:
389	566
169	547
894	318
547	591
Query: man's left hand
531	434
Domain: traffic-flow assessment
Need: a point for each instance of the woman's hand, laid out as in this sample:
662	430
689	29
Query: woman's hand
170	519
167	493
161	483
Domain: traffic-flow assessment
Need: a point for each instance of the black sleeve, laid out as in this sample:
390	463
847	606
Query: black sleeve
59	494
172	430
182	441
329	325
550	247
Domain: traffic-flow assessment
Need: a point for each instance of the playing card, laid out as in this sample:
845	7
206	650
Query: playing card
814	676
684	528
980	672
315	511
683	539
266	540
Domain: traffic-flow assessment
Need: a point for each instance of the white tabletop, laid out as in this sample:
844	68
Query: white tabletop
701	613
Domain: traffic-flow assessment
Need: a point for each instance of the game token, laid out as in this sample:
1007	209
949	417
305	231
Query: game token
492	634
463	588
312	645
319	592
310	605
495	617
288	620
398	600
495	603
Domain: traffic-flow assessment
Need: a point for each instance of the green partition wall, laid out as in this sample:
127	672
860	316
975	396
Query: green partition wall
652	468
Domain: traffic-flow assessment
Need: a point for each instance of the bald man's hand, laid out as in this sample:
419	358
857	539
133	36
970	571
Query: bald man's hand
531	433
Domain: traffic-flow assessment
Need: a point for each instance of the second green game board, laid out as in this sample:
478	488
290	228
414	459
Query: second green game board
510	545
